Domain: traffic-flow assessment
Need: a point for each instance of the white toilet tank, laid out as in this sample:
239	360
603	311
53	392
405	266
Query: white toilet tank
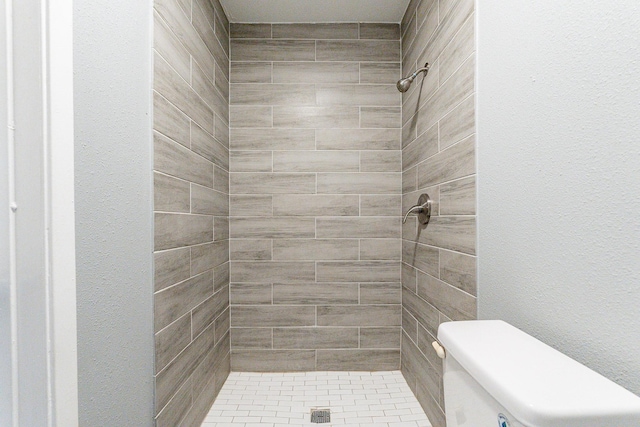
497	375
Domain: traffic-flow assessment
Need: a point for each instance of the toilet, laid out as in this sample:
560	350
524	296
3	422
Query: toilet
497	375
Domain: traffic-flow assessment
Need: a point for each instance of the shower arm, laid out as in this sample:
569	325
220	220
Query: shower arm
420	70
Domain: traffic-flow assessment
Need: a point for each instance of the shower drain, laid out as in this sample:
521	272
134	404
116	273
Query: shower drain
320	416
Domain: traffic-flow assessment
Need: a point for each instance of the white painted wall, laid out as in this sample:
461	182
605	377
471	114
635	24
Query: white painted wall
114	224
559	176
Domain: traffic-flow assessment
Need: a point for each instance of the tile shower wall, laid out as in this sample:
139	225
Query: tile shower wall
315	203
438	157
191	157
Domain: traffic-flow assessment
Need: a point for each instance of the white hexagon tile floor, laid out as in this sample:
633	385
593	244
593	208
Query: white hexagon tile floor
356	399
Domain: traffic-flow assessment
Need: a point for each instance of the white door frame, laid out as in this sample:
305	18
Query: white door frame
38	339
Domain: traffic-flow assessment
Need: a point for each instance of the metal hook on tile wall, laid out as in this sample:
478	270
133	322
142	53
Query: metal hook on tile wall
422	209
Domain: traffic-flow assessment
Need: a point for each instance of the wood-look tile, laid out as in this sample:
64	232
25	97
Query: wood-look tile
458	124
177	91
409	277
423	9
359	315
272	228
170	121
456	52
273	139
458	197
250	249
221	131
173	159
358	360
170	194
205	88
316	117
381	161
380	337
409	325
221	33
358	50
272	183
206	33
206	201
172	340
272	316
381	117
273	50
450	23
381	293
248	116
425	340
273	360
358	271
251	72
315	205
185	32
220	179
408	36
175	230
451	301
452	92
423	147
170	48
424	258
250	205
315	293
220	228
381	249
410	180
206	313
221	277
458	270
358	139
172	303
209	255
379	31
359	183
316	31
272	94
422	311
316	161
251	338
250	294
250	31
380	205
170	267
418	364
203	143
379	72
273	271
360	94
177	409
314	338
315	249
358	227
251	161
425	86
456	161
408	15
222	325
316	72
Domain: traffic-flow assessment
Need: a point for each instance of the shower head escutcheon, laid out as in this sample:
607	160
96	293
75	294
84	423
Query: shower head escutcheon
404	84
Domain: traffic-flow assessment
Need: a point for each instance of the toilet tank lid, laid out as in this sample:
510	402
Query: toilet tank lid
537	384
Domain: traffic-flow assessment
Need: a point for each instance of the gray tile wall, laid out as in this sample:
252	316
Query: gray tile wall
191	188
315	188
438	157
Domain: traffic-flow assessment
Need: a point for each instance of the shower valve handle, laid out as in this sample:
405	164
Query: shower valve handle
423	209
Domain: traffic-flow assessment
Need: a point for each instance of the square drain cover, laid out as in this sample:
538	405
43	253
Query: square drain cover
320	416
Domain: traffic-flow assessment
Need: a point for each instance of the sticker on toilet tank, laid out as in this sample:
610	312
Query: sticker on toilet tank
502	421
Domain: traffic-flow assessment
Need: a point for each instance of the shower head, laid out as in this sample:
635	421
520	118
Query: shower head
403	85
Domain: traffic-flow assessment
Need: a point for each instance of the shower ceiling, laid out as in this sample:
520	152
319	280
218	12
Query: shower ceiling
281	11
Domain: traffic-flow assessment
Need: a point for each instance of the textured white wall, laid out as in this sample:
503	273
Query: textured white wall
114	228
559	176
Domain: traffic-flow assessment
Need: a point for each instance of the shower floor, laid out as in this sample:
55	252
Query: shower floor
356	399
